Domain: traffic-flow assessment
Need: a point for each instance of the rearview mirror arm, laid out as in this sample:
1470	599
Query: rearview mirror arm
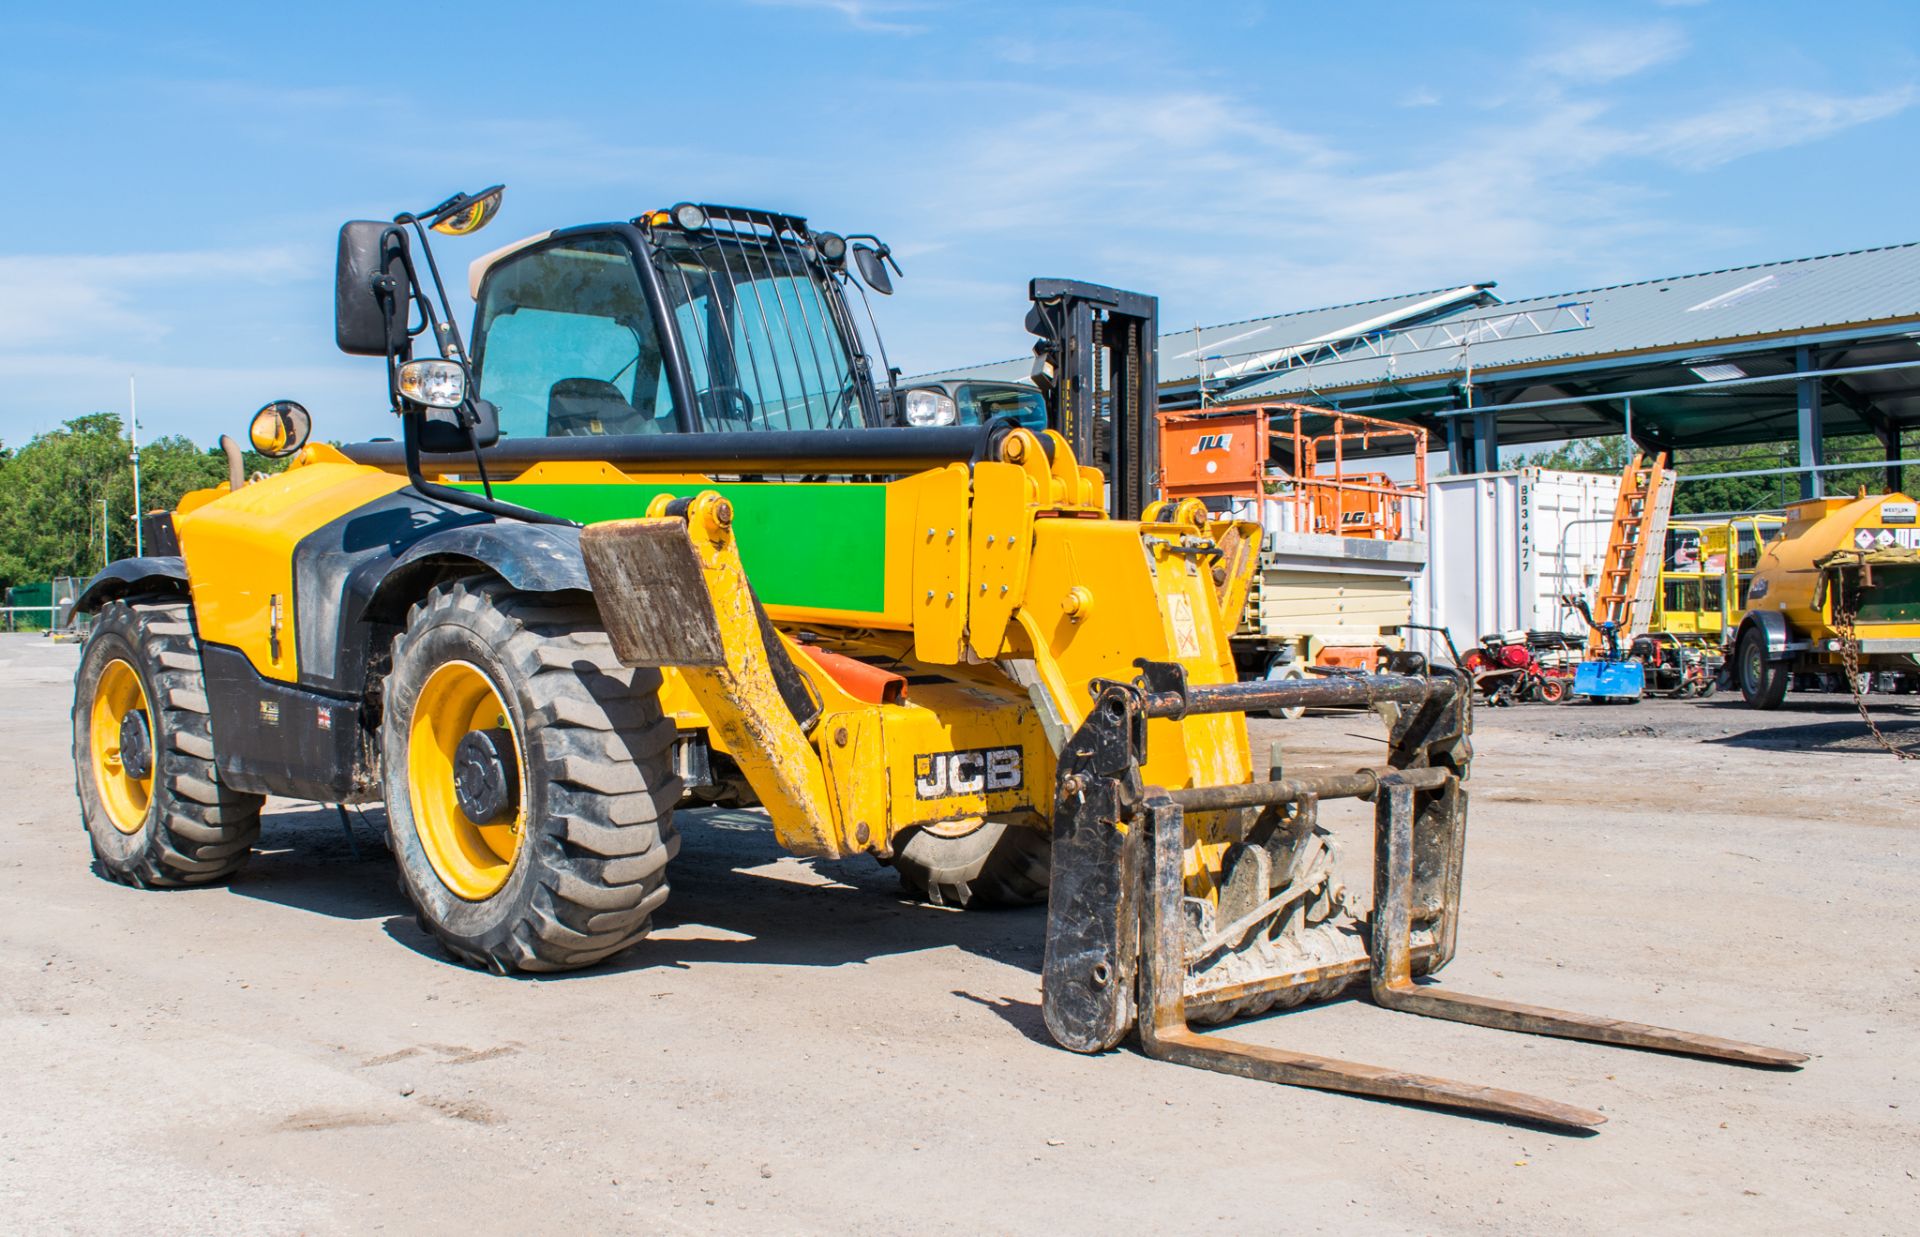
410	415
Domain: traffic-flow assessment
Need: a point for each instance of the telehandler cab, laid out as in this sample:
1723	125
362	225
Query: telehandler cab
645	546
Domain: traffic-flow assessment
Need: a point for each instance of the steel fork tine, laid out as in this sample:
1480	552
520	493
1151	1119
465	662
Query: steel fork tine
1392	979
1165	1035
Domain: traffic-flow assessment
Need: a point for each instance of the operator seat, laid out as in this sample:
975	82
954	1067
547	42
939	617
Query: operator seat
593	406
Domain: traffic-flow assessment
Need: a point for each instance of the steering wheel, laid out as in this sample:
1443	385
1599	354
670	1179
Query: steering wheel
727	403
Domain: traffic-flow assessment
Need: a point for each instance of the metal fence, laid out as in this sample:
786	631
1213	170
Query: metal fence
43	605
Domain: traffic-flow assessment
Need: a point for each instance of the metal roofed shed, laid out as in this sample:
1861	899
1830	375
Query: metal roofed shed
1795	351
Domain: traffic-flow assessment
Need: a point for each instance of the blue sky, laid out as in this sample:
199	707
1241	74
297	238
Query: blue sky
174	182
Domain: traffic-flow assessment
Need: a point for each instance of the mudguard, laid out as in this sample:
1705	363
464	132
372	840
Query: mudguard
130	576
534	558
1774	630
355	579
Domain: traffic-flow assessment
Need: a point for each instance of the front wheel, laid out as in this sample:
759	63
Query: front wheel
1763	684
1553	691
528	779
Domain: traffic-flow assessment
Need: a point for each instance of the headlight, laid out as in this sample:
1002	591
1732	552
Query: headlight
931	408
832	247
689	216
437	384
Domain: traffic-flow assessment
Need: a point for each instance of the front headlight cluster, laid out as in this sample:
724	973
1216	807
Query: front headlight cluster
930	408
436	384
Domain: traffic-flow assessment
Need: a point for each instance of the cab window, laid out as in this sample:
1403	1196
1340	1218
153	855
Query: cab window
982	401
567	347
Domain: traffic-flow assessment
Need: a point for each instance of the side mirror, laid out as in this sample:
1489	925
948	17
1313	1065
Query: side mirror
372	293
280	429
440	432
873	269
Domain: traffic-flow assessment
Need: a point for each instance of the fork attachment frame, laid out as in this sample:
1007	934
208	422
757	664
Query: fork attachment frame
1118	921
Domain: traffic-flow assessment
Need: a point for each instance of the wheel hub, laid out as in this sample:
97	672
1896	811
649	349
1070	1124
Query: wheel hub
486	776
136	745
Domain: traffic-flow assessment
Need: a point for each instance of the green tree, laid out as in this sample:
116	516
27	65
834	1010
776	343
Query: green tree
1610	455
52	489
1606	454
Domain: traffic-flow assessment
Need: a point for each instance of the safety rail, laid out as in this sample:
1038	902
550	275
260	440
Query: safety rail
1290	462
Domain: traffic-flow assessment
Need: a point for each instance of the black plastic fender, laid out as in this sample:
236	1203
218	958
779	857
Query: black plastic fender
130	576
355	580
534	558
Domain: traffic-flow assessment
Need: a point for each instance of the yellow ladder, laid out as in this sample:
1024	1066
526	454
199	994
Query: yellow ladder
1630	572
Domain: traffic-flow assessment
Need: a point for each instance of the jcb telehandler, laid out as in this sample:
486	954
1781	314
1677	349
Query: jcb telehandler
644	546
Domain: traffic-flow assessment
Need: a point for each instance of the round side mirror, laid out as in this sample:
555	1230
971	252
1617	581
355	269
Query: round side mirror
280	429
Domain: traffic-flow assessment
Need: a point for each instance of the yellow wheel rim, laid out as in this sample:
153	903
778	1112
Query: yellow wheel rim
126	797
472	860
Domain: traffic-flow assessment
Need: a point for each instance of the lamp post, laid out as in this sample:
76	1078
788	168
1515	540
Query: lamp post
133	434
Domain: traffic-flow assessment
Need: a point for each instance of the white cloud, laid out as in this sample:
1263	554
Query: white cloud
1227	211
870	16
1593	57
53	298
1770	121
200	401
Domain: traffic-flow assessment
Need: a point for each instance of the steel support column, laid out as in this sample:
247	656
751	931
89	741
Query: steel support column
1486	441
1812	445
1459	447
1890	440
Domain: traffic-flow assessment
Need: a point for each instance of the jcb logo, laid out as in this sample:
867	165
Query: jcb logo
1212	442
940	775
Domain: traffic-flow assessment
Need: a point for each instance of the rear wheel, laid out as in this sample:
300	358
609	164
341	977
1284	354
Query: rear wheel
1763	684
528	779
994	864
155	810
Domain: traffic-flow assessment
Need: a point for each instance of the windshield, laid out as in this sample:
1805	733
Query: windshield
565	345
764	347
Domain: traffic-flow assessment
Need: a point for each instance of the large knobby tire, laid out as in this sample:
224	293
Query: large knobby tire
140	705
997	864
1762	683
576	866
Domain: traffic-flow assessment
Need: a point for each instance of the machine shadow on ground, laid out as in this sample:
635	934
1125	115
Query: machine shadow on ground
1839	727
728	903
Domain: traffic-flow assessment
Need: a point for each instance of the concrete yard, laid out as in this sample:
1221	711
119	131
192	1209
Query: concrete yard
798	1050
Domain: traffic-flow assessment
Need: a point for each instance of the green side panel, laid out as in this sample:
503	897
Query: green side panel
1894	597
802	545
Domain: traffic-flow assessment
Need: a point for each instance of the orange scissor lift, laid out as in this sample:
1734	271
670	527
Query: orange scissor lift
1341	540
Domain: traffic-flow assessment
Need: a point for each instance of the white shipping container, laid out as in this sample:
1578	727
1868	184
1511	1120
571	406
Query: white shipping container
1503	547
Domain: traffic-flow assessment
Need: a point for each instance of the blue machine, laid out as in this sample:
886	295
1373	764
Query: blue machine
1610	680
1610	676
